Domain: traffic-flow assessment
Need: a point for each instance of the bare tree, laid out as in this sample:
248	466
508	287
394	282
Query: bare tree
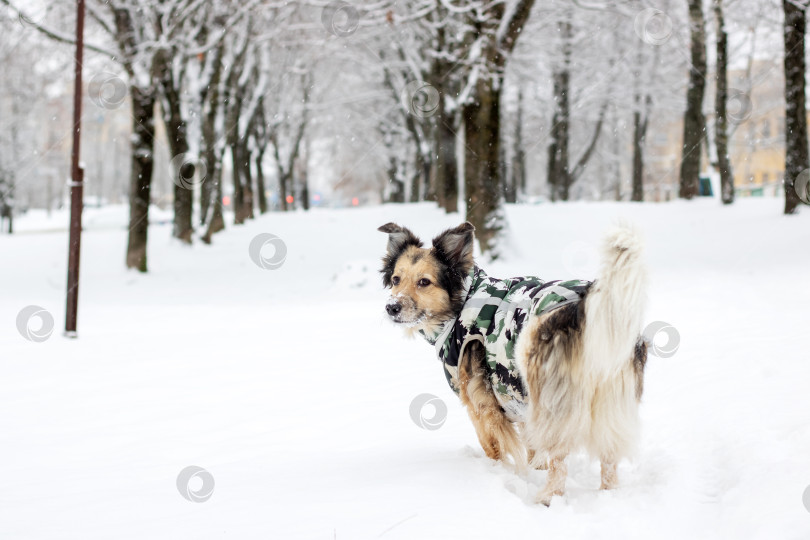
495	31
720	100
694	123
796	153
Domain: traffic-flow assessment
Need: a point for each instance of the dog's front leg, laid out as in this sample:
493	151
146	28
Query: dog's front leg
495	431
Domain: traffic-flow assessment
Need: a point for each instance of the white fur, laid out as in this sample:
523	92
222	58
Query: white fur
589	401
614	308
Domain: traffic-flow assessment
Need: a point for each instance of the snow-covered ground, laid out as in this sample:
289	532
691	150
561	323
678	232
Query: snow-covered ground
290	388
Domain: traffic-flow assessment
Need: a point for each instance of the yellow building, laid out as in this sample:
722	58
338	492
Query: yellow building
756	111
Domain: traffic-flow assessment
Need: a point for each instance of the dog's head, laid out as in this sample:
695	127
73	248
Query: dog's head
427	284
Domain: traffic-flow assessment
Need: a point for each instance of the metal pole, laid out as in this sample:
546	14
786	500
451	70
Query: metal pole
77	182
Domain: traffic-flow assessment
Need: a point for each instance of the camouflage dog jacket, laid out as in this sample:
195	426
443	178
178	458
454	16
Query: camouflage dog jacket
494	314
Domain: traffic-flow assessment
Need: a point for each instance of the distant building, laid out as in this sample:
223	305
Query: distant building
757	120
756	112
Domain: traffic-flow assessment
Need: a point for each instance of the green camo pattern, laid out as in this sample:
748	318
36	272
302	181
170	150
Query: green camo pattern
494	313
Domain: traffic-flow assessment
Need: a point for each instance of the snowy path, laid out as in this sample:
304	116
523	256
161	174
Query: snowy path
291	389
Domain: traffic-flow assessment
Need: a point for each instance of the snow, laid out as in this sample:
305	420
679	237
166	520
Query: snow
292	390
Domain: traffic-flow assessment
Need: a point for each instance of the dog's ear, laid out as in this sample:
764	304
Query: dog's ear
399	238
454	247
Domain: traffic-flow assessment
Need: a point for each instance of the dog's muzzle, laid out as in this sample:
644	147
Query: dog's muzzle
401	309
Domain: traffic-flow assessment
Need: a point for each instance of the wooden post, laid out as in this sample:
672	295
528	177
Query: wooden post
77	183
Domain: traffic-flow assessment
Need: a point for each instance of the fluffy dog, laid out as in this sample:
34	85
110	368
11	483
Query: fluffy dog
543	368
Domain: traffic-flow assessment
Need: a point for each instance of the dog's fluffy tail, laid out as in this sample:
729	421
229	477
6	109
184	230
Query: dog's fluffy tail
614	308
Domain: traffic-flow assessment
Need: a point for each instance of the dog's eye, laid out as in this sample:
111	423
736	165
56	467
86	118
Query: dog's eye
424	282
395	280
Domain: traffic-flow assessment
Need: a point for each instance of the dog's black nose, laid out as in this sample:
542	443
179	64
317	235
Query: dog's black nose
393	309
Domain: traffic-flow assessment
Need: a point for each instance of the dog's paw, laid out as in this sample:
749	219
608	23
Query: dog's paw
492	448
537	461
545	496
544	499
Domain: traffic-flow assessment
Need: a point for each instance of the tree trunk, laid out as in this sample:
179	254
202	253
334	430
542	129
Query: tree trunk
720	99
208	154
211	158
559	175
446	164
247	179
260	188
638	159
177	135
282	189
143	136
518	179
303	175
506	170
238	202
482	121
482	182
796	154
694	123
415	179
639	133
428	193
397	193
216	221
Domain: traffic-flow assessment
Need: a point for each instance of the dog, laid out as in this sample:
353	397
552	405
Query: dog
543	368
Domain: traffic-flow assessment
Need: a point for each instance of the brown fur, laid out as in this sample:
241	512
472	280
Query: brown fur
496	433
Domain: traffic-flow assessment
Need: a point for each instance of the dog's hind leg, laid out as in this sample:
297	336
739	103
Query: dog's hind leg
495	431
555	484
610	478
535	459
